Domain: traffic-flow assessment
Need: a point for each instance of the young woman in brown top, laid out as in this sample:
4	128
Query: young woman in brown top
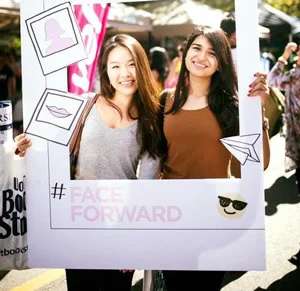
203	109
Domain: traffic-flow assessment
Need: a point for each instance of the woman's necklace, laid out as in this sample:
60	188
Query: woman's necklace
194	102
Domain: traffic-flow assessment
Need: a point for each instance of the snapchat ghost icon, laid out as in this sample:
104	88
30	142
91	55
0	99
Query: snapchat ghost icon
231	205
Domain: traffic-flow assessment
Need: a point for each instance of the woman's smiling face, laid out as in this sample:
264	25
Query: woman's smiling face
200	59
121	71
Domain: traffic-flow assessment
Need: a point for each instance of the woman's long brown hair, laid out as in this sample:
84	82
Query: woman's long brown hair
222	97
144	106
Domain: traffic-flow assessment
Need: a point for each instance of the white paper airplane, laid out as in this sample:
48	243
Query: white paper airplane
242	147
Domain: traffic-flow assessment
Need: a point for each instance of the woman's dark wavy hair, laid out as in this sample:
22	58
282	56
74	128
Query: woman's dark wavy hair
222	96
144	105
159	61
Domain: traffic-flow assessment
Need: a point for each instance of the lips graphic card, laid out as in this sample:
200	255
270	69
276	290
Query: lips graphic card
55	116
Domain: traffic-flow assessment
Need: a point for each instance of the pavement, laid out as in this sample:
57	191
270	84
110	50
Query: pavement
282	231
282	241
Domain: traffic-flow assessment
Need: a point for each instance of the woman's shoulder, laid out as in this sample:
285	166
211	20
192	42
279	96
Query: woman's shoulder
167	98
91	98
167	94
100	100
97	96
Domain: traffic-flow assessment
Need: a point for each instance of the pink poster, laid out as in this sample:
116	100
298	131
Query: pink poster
92	20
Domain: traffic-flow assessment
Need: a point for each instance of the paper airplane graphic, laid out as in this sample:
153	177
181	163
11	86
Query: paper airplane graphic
242	147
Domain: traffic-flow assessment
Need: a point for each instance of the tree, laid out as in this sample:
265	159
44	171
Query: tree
290	7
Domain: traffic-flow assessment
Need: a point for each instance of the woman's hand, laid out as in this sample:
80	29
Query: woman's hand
289	49
22	144
259	87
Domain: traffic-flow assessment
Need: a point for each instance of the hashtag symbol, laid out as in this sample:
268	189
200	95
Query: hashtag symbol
58	191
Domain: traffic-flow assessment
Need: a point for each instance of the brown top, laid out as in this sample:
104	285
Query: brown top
194	148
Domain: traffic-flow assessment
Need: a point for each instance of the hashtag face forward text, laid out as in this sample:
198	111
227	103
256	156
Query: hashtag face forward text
58	191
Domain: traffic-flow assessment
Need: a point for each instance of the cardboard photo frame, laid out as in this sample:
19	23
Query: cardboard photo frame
146	223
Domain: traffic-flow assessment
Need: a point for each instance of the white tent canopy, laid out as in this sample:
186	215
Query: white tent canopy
127	18
10	4
189	12
9	15
181	16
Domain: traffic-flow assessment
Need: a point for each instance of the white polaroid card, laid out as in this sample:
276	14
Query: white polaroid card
56	38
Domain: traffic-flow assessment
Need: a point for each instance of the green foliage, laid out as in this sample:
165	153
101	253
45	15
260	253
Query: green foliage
15	43
225	5
290	7
10	43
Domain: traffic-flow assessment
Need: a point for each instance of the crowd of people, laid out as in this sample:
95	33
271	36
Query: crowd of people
146	107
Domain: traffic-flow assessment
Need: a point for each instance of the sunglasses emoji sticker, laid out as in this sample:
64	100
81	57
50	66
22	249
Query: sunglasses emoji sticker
231	205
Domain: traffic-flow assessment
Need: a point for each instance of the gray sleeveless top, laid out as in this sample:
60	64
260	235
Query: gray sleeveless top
112	153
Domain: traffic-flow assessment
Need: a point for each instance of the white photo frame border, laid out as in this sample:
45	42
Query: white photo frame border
161	243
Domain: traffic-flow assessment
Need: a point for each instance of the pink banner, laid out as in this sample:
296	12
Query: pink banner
92	20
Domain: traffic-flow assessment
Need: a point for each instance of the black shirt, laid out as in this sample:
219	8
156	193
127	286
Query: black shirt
5	74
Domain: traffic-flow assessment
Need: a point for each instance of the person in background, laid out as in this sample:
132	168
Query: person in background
7	80
14	63
159	64
174	68
120	135
202	110
289	82
228	26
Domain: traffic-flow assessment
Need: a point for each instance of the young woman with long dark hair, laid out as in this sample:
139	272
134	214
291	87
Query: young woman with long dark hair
202	110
